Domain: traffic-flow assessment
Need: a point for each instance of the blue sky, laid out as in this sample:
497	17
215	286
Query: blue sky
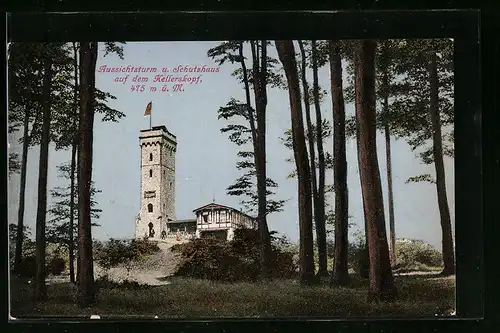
206	159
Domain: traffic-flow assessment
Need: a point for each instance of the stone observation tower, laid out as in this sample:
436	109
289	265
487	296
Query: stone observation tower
158	147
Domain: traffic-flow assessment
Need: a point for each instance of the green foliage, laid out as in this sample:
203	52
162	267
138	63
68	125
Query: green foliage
358	256
25	91
104	283
422	178
117	252
25	76
233	52
415	253
238	133
112	47
58	227
405	64
27	267
243	132
237	260
14	164
327	132
57	265
245	186
28	244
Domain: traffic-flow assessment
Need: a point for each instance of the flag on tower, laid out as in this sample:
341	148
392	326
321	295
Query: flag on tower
148	109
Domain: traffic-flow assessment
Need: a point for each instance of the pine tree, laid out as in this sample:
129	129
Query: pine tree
60	230
259	77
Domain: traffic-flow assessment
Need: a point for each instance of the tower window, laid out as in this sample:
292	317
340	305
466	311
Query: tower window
150	173
170	184
150	156
150	208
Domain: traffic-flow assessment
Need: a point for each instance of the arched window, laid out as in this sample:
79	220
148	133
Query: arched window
150	208
150	156
150	173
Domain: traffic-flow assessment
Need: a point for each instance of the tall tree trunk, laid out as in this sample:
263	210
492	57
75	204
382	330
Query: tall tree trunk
387	133
78	257
341	270
320	209
392	228
88	57
286	53
444	210
310	139
260	82
265	249
22	191
365	254
73	170
381	279
40	291
71	246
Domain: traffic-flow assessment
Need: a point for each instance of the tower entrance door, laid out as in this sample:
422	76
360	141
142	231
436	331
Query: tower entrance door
151	230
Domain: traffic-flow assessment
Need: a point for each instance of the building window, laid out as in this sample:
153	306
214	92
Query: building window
205	218
150	173
150	194
170	184
150	156
150	208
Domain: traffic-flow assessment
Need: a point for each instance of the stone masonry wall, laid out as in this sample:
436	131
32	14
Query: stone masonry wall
157	175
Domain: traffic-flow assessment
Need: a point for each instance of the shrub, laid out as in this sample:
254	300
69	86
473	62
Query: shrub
105	283
144	247
27	267
416	253
362	263
358	256
57	265
237	260
28	249
117	252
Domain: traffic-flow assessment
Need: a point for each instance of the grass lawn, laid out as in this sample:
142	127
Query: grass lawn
418	295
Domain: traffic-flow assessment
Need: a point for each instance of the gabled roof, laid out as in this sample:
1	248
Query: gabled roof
219	206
